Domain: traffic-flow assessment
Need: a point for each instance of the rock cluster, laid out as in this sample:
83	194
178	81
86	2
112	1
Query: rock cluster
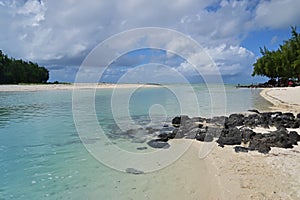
237	129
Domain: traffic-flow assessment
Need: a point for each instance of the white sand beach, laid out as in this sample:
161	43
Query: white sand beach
259	176
283	98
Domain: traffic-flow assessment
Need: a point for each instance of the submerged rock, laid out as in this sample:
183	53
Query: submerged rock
156	143
134	171
141	148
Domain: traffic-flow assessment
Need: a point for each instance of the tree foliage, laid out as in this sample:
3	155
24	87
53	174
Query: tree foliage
283	63
14	71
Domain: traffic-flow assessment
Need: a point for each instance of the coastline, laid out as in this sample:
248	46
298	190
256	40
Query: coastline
287	99
260	176
72	86
223	174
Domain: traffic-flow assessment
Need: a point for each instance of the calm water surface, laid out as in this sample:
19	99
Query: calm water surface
42	157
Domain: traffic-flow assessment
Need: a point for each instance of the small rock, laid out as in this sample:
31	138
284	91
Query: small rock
240	149
253	110
141	148
134	171
156	143
176	121
294	137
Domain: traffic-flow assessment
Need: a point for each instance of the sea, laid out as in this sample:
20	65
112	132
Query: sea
65	144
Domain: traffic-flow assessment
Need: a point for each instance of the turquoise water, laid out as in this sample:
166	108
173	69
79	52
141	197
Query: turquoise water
42	157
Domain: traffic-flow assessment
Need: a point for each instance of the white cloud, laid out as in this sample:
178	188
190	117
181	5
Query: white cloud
278	13
54	32
230	60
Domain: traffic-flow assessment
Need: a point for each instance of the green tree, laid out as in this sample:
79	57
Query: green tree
283	63
18	71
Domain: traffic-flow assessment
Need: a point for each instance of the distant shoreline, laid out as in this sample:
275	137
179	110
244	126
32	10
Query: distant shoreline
286	98
71	86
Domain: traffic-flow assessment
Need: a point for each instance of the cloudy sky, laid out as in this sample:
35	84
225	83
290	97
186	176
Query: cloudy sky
60	34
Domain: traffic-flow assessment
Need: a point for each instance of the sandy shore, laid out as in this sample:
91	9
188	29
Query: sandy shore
259	176
283	98
40	87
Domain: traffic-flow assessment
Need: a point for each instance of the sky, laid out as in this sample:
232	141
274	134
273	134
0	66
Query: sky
61	34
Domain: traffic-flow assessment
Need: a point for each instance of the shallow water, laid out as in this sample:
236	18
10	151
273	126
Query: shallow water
42	156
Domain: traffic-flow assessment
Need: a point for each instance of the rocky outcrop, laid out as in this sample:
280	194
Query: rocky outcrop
237	129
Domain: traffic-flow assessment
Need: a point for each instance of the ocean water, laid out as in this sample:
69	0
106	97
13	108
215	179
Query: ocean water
43	157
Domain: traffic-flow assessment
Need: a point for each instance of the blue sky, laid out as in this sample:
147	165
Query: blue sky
60	34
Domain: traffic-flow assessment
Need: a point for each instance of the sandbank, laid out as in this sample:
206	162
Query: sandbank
46	87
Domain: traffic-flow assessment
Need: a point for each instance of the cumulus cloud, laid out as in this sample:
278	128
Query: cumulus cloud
62	33
229	60
278	13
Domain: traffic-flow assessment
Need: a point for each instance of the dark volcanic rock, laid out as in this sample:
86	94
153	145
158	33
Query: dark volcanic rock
247	134
198	119
294	137
285	120
288	116
234	130
220	120
204	136
156	143
192	133
164	137
214	131
252	120
230	137
141	148
200	136
279	138
296	124
134	171
177	133
253	110
208	138
234	120
256	144
229	141
240	149
176	121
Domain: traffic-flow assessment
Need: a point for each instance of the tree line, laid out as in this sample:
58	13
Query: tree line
282	64
14	71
